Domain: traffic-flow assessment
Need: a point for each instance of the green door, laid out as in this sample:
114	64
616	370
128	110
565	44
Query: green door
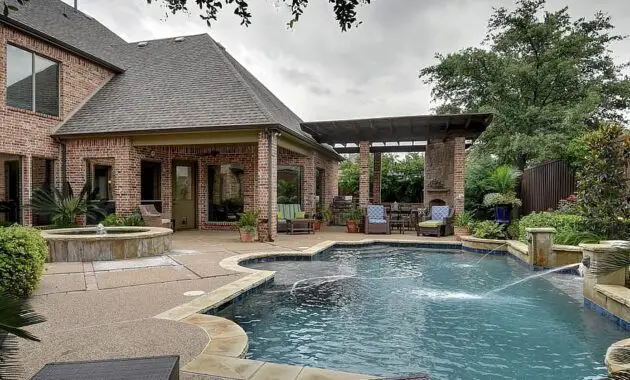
184	197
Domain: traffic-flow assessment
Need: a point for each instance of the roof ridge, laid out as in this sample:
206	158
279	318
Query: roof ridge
222	53
164	38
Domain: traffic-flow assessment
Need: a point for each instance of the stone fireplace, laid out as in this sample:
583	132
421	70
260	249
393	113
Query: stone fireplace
444	163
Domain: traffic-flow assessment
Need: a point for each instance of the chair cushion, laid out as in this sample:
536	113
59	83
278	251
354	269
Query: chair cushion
300	215
430	223
280	215
377	221
375	212
439	212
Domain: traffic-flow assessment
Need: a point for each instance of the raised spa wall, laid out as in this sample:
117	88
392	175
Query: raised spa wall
149	241
538	253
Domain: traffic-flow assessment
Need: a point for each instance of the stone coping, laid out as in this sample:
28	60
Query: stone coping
66	234
228	342
619	293
519	246
568	248
541	229
480	240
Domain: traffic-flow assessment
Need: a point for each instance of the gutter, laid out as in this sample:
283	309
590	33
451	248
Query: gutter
54	41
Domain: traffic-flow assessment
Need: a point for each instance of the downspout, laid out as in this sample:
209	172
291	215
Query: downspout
269	182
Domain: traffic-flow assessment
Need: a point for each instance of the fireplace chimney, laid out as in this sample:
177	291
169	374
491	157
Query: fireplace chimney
76	4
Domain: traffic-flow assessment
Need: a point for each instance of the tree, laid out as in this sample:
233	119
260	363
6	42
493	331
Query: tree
345	10
547	78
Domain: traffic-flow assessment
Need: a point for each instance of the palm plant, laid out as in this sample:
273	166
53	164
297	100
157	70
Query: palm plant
63	207
14	316
503	179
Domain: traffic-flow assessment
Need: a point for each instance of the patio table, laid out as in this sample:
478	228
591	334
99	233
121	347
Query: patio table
300	225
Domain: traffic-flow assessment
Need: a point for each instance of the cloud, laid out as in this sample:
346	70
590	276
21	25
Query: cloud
322	73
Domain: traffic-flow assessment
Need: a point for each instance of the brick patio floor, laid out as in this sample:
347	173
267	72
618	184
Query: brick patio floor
104	310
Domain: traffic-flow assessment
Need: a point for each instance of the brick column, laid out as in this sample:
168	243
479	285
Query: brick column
376	181
27	184
459	170
127	181
308	185
364	173
167	184
263	172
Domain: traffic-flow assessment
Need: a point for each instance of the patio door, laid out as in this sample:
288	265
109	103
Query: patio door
10	205
184	195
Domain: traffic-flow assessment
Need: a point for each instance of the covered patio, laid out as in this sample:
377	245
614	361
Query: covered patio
442	138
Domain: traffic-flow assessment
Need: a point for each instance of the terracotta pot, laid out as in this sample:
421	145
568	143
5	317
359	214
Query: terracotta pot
352	226
317	225
246	236
460	231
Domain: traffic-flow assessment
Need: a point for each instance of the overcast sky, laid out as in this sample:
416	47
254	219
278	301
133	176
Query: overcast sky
322	73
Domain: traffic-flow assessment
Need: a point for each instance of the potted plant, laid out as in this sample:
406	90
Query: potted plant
503	181
328	216
247	226
318	216
352	217
462	224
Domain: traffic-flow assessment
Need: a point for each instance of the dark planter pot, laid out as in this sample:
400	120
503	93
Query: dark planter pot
502	213
352	226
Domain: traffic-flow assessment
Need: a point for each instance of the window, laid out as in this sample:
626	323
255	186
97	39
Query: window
289	184
32	82
103	181
225	192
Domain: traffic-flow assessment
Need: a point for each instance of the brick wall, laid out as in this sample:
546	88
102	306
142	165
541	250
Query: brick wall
27	133
459	173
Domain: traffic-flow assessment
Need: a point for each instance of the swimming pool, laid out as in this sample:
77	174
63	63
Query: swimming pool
394	311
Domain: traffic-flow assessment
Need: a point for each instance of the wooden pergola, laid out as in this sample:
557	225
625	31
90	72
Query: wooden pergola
443	138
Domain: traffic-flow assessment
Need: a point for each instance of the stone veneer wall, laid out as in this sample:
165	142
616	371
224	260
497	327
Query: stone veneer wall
27	133
376	181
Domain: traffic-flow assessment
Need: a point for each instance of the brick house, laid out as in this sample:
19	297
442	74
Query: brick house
175	122
180	124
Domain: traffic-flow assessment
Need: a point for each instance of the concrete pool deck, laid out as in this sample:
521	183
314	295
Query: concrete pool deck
105	310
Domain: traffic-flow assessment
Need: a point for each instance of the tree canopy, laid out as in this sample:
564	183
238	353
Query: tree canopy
345	10
547	78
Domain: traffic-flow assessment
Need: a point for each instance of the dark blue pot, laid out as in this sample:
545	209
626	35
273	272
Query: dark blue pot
502	214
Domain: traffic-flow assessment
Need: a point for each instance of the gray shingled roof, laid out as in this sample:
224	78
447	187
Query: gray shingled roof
171	85
61	21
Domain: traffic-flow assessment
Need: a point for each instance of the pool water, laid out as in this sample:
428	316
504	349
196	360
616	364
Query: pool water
392	311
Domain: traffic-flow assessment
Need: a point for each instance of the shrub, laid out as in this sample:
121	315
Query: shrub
569	237
488	229
22	254
563	223
601	189
512	230
496	199
135	219
463	219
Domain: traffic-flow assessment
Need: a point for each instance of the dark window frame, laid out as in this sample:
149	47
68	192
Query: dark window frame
34	80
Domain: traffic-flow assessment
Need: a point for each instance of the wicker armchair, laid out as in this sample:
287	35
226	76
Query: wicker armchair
440	224
153	218
376	220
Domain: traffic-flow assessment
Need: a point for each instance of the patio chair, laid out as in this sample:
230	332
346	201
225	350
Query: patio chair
376	220
440	224
286	212
153	218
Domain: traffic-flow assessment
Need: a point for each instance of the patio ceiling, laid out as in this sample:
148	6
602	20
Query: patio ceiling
397	134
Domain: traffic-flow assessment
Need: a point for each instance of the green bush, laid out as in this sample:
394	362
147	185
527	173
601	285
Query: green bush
488	229
23	251
563	223
512	230
135	219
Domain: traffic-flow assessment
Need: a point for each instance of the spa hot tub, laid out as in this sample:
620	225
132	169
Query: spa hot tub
118	243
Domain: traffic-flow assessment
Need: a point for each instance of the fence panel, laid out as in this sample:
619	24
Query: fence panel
544	185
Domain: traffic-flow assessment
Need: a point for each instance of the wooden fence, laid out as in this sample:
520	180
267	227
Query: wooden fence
544	185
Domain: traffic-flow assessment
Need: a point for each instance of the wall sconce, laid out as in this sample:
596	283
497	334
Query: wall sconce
152	153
